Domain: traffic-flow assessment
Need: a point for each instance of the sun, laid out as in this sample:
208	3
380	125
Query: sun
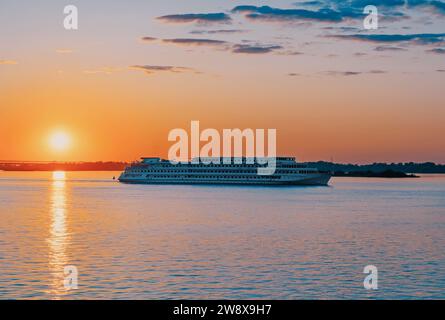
59	141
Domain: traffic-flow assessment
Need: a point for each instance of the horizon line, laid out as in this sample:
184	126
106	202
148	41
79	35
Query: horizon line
124	161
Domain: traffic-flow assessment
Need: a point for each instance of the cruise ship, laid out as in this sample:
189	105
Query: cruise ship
240	171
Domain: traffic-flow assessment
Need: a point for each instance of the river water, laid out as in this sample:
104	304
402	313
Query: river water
219	242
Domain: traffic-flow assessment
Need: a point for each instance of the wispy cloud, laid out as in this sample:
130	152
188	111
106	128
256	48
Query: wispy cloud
389	48
342	73
221	31
310	3
195	42
385	4
254	49
377	72
148	39
439	6
288	52
244	48
352	73
387	8
103	70
419	38
151	69
8	62
378	3
202	18
64	51
437	50
266	13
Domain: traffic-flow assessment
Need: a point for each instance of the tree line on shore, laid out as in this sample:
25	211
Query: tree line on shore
390	169
406	167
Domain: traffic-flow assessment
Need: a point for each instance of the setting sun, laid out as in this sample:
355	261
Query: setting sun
59	141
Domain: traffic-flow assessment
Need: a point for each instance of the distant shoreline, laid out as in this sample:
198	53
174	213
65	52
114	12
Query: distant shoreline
382	175
370	174
376	170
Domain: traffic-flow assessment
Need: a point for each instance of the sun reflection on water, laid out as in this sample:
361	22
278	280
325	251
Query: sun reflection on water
58	235
59	176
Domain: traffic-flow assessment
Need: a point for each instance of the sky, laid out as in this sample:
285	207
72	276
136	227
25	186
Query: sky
134	70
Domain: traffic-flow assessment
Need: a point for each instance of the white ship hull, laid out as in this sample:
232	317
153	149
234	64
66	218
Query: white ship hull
320	180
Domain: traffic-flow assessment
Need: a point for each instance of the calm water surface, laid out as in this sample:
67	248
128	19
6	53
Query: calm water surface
212	242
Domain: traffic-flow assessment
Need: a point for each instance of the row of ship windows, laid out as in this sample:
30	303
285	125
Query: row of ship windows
212	177
222	171
227	165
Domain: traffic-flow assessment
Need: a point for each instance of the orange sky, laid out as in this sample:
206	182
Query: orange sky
83	83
